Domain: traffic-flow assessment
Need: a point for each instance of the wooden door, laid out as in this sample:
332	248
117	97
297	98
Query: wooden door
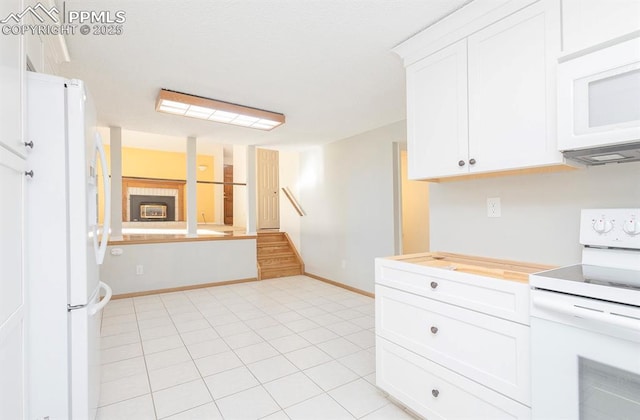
12	299
268	189
228	195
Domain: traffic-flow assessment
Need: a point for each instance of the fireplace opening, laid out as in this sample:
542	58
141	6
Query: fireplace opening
155	211
152	208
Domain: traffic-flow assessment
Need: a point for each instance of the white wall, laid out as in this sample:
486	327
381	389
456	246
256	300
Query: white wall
290	220
176	264
540	212
346	188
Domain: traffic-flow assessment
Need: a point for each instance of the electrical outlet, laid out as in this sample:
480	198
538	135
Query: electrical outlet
493	207
139	269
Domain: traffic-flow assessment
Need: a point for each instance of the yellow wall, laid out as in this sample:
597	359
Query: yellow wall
415	212
146	163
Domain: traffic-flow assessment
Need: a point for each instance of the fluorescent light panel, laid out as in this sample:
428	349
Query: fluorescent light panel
177	103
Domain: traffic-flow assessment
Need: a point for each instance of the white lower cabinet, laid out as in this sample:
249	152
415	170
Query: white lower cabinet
437	393
444	360
481	347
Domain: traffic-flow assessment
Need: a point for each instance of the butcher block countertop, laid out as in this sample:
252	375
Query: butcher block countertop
500	269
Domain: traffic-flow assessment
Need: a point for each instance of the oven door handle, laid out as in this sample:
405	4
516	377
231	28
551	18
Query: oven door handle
586	313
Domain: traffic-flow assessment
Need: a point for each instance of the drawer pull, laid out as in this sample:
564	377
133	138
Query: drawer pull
434	285
434	330
435	393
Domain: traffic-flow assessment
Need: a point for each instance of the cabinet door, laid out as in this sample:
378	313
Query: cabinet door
12	311
489	350
436	392
589	22
512	85
437	114
12	69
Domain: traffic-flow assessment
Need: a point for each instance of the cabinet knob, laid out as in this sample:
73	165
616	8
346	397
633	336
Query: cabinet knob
434	285
434	330
435	393
29	173
472	161
461	163
28	144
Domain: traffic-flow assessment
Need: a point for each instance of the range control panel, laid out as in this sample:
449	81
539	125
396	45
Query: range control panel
614	228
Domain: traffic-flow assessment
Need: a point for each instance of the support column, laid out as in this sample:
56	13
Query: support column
115	135
252	191
192	198
218	190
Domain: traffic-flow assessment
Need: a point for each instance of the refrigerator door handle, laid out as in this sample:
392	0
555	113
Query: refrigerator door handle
101	248
100	306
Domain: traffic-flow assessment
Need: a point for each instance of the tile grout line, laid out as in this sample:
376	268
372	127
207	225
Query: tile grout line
260	384
291	301
144	359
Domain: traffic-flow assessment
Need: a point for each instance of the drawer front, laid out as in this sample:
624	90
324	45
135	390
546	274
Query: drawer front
437	393
486	349
502	298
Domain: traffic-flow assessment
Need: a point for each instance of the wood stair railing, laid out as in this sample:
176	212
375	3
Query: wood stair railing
277	256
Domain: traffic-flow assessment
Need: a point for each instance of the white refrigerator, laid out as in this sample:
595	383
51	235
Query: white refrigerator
64	247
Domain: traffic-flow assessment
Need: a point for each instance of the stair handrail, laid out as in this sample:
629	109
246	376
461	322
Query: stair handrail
293	201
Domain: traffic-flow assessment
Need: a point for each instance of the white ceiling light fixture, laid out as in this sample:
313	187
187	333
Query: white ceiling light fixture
178	103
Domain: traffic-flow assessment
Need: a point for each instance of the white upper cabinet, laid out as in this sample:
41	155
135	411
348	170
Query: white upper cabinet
12	69
586	23
512	90
437	113
487	102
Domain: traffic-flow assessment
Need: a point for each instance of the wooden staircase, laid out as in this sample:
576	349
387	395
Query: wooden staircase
277	257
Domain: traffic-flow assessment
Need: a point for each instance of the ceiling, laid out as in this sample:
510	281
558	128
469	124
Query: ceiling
326	64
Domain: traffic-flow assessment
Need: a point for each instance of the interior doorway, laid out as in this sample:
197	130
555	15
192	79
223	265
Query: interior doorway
228	194
268	189
415	211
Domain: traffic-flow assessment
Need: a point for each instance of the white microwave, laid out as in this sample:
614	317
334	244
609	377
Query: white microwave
599	96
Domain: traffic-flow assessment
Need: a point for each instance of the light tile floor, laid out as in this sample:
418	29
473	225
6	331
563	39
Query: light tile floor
290	348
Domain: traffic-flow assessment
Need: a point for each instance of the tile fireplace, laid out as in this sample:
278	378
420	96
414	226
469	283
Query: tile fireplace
156	208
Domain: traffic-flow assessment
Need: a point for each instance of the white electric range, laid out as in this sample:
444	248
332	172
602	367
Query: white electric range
585	325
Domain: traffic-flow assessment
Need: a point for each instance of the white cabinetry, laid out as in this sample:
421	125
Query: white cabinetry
437	132
512	90
12	183
12	71
12	288
589	22
487	102
448	346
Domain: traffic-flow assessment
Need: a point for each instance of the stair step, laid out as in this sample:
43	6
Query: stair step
274	241
273	245
269	255
276	256
265	238
279	262
274	250
272	273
